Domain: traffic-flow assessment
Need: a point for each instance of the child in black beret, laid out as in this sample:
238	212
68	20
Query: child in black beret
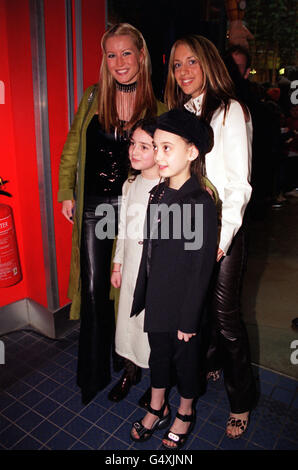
179	252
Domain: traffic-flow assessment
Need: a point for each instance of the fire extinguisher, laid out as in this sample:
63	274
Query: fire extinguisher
10	268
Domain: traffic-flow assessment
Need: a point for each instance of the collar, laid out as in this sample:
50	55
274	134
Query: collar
194	105
190	186
126	88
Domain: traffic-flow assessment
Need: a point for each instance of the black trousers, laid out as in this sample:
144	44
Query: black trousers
171	357
229	347
97	310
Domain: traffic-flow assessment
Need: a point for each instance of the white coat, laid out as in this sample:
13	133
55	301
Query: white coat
228	165
131	342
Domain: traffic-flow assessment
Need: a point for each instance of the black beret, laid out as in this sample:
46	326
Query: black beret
189	126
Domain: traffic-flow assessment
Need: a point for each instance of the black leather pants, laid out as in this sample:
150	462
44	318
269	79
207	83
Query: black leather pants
229	347
97	310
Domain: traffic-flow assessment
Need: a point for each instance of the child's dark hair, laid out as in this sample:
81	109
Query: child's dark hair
198	166
148	126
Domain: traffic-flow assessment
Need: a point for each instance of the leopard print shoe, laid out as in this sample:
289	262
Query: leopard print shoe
240	424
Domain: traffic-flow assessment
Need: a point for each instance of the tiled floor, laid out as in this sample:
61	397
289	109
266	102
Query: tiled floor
40	405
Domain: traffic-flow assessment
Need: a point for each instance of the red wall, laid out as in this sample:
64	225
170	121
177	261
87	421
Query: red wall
7	160
93	27
55	33
21	169
17	143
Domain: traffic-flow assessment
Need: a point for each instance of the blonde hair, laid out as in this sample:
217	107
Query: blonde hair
217	85
145	103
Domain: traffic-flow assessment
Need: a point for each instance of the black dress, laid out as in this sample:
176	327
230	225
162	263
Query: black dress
105	172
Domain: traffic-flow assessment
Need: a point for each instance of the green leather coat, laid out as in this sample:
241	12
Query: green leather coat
71	184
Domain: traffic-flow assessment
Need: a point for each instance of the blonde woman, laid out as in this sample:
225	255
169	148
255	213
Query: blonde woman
199	81
93	168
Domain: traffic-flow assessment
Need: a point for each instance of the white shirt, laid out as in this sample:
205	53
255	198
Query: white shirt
228	165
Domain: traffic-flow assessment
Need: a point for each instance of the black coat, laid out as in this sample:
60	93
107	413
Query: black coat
174	292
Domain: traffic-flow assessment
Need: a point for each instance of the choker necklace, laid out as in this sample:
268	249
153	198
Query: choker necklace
126	88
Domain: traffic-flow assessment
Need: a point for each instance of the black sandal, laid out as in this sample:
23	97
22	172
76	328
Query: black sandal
180	439
161	423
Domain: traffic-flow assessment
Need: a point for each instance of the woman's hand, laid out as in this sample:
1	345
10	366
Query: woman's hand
220	254
116	276
185	336
67	207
